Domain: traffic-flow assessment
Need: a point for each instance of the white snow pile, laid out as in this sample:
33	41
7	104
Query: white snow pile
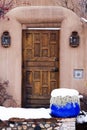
64	92
82	117
27	113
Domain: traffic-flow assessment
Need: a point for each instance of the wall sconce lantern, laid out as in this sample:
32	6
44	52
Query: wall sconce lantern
5	39
74	39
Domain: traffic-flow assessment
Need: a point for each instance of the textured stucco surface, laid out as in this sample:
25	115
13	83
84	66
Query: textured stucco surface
70	58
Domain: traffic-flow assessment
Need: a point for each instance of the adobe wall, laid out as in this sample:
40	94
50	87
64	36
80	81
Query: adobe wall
70	58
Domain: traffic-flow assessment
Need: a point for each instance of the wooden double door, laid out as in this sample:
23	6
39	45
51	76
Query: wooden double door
40	72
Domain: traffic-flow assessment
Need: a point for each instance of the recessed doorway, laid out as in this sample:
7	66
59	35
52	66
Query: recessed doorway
40	71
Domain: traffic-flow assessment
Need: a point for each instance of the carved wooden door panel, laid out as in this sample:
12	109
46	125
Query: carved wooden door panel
40	67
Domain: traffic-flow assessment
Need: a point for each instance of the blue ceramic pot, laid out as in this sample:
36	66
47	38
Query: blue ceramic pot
68	110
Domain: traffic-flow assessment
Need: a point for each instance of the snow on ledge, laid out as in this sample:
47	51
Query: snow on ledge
83	20
27	113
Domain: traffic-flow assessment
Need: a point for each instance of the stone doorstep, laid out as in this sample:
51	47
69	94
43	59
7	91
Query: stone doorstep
44	124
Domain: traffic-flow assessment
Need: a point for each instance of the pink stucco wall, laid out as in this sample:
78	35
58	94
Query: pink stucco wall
70	58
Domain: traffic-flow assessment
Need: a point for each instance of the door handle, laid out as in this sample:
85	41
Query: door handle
56	59
54	69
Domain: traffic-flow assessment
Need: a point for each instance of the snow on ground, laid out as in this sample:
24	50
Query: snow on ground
38	113
28	113
82	118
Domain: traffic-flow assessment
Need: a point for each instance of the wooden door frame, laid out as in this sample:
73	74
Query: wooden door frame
35	29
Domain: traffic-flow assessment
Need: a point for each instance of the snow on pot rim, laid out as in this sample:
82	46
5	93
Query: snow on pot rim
62	96
64	92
